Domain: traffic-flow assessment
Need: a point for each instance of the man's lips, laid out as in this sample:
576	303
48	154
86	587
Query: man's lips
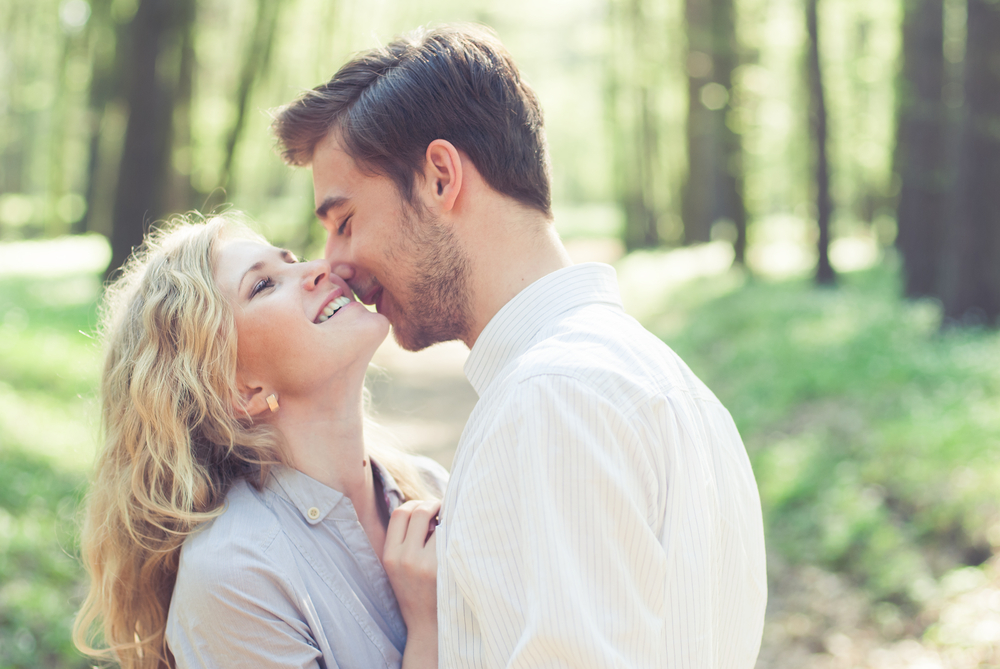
371	295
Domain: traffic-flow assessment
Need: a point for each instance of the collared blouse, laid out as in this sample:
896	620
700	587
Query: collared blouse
286	577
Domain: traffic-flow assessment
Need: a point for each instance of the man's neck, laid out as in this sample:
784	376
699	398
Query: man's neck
506	260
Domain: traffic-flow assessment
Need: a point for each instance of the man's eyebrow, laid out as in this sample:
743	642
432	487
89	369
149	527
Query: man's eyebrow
328	204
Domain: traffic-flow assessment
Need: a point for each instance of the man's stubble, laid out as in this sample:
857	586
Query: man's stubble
439	296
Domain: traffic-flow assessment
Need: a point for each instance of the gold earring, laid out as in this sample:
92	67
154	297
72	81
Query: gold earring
272	402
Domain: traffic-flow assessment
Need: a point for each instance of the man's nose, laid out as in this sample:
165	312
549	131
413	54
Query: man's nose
337	250
344	271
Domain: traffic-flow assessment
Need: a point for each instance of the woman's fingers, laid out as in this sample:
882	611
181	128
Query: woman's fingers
399	522
410	527
410	560
423	520
412	522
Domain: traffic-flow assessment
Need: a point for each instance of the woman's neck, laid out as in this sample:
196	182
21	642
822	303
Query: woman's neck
325	441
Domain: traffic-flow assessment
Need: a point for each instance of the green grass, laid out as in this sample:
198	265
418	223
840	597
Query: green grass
873	435
48	372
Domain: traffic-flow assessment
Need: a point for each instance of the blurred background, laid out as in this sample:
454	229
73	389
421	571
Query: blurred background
802	197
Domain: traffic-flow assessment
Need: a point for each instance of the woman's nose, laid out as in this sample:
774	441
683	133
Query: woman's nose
317	270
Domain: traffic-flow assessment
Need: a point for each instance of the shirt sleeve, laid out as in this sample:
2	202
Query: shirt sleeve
566	497
237	611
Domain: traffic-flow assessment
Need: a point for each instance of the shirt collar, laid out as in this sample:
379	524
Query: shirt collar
393	495
315	500
514	328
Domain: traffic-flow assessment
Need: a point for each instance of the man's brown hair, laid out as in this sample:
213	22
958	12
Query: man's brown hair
456	83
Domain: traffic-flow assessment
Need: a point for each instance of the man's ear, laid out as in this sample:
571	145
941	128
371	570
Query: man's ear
442	175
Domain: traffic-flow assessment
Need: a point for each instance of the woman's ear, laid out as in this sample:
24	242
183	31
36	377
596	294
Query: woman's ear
251	400
442	175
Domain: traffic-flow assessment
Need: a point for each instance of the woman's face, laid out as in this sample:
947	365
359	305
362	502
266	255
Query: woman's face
299	330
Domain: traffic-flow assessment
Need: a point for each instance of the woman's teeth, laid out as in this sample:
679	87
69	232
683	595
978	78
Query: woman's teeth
333	308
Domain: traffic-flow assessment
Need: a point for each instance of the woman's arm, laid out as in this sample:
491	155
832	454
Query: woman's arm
410	561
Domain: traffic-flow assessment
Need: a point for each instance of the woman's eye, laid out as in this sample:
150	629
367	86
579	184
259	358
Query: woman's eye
261	285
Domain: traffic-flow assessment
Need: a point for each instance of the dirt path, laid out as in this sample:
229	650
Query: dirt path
422	398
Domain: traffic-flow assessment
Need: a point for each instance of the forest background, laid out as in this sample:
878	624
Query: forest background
800	196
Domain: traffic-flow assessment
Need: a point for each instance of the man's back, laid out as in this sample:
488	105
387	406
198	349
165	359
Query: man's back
602	509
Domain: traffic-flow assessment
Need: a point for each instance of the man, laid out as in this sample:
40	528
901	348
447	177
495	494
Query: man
601	510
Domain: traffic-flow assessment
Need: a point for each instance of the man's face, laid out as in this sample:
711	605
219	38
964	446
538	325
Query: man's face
407	264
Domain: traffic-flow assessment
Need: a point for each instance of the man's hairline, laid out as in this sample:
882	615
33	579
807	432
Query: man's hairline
411	202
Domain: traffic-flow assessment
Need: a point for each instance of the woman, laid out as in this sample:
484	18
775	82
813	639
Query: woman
237	516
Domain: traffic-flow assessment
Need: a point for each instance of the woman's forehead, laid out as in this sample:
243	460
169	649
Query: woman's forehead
235	257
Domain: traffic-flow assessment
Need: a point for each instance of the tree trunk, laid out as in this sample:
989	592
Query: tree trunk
921	158
258	53
818	130
639	148
726	59
181	195
699	195
714	187
151	73
971	292
107	65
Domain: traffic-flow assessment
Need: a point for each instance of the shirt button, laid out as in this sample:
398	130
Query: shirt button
313	513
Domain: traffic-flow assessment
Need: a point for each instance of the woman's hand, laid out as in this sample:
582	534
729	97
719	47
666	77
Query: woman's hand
410	561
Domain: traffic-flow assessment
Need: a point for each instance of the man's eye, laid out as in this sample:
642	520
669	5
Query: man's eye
343	225
261	285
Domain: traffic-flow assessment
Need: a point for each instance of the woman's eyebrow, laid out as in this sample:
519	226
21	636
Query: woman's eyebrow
253	268
285	254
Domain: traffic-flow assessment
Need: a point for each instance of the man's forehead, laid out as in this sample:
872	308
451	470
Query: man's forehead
334	171
330	151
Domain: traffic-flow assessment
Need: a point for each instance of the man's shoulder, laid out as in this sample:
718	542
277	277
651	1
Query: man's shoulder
596	344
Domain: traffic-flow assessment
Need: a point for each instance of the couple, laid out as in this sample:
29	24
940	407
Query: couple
601	510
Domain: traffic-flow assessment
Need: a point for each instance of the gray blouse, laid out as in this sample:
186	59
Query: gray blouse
286	577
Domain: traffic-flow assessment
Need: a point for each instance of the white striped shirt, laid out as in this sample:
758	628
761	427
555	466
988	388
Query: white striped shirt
601	511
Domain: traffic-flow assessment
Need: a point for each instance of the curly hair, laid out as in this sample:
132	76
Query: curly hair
173	444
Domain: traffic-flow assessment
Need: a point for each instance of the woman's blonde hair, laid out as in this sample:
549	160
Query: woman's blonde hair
173	443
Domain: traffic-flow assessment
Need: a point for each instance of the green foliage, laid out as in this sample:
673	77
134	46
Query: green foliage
39	572
48	372
872	434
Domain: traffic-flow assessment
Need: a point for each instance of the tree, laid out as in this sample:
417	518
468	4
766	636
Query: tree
634	124
105	64
920	154
731	163
150	85
255	59
971	279
714	186
818	133
699	201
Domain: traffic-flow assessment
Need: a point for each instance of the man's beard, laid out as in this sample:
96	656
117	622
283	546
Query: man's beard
439	294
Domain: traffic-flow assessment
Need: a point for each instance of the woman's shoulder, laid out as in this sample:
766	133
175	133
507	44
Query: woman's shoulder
240	537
